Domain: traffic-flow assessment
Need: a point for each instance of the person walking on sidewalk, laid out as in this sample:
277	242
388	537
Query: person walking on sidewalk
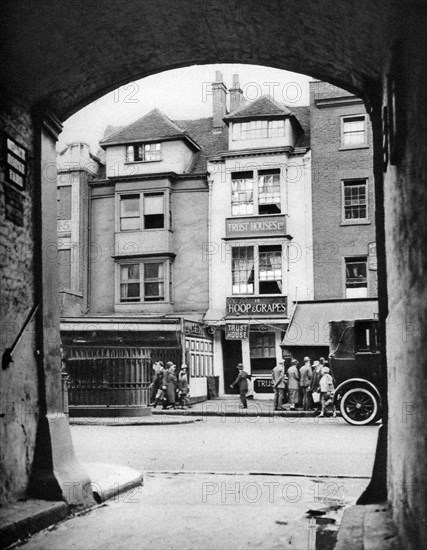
293	384
156	392
183	387
306	374
315	383
327	393
242	383
279	384
169	385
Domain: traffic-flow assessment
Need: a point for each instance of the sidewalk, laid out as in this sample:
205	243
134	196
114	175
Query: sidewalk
26	517
165	419
231	406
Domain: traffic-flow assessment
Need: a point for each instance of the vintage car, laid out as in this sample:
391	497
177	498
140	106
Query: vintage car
355	363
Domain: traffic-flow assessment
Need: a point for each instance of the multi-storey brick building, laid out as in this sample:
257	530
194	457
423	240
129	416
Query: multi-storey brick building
343	206
216	241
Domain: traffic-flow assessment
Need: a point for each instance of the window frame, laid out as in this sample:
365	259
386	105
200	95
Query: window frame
347	183
361	145
167	269
350	260
243	128
256	270
141	195
256	178
142	145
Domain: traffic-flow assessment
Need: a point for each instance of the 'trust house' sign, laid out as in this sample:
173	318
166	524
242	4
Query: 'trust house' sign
256	226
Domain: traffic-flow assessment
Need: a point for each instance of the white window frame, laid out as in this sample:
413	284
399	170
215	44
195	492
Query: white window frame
256	175
130	157
167	215
254	129
356	259
344	119
256	270
167	271
348	182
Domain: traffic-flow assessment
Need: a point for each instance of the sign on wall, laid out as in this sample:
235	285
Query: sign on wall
263	385
274	305
236	331
256	226
372	256
15	169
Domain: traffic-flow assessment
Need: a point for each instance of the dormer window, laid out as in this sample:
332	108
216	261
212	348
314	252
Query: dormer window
258	129
144	152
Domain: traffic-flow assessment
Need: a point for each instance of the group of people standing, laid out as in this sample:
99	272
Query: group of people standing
169	388
312	385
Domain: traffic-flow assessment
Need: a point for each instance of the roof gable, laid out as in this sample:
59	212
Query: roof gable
262	107
154	126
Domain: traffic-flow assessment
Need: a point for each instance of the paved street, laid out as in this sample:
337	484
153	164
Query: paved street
191	499
307	446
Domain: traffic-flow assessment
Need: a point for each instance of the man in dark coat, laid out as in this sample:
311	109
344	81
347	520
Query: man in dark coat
169	384
242	383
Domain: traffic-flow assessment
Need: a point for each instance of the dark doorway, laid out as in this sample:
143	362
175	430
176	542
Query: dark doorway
232	353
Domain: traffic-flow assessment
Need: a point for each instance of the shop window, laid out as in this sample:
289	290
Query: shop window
262	351
270	269
356	281
355	199
243	270
129	283
154	211
144	152
353	131
129	213
242	193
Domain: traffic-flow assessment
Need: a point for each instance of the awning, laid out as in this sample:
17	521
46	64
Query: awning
125	324
309	324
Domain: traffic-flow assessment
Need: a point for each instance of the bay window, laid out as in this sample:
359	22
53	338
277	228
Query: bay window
142	211
143	281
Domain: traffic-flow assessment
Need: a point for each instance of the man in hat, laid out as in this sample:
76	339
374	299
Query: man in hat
279	384
293	383
242	383
306	374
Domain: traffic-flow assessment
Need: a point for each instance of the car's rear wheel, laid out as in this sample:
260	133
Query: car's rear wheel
359	406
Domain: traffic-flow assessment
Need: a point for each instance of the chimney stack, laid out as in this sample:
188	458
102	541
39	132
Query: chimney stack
236	95
219	91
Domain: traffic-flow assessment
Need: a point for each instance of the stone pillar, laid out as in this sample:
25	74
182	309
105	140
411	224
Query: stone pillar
56	473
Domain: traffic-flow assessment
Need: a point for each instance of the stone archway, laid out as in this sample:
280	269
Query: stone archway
59	56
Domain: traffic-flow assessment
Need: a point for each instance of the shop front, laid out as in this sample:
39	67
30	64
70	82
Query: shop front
251	333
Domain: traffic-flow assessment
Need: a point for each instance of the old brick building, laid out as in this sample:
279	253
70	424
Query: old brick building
344	234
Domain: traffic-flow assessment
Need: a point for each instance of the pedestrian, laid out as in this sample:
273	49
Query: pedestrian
293	383
327	393
157	382
242	383
183	387
169	385
306	374
315	382
279	384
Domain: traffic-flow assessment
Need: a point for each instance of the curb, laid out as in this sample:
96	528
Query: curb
102	421
266	414
22	519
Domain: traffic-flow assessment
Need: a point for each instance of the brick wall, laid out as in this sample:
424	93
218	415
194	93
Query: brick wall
19	382
334	241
